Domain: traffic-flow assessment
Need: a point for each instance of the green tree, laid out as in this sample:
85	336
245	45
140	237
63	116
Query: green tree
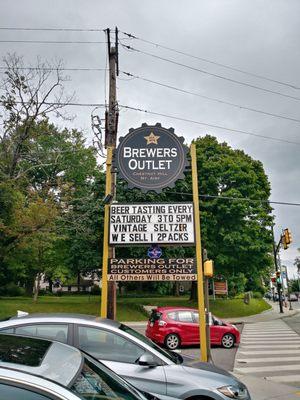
62	172
30	256
236	233
11	200
297	263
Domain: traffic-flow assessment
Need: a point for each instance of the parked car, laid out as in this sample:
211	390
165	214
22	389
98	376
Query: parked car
268	295
179	326
133	356
39	369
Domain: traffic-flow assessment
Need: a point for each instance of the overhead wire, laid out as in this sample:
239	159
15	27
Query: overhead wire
238	199
51	69
291	85
64	104
209	98
211	125
177	118
9	28
133	49
54	41
133	76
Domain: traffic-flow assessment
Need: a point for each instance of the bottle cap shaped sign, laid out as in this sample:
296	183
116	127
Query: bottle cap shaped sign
151	158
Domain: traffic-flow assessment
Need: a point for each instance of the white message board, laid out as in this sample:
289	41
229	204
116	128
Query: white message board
164	223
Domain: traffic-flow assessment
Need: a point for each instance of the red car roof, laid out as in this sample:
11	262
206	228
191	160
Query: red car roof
175	308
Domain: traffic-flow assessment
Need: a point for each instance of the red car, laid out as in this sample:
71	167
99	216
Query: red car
176	326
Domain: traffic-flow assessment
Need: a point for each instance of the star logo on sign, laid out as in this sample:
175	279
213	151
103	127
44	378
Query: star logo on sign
152	139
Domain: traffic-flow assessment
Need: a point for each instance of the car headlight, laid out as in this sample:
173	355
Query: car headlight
235	392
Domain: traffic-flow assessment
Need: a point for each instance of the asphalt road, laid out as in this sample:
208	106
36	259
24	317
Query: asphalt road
222	358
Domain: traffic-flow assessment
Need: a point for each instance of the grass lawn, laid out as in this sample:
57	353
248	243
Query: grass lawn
128	309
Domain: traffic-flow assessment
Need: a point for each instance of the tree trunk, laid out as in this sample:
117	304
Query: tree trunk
50	285
194	294
36	287
78	281
29	285
176	289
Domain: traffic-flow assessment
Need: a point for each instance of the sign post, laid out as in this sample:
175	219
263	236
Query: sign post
104	288
202	319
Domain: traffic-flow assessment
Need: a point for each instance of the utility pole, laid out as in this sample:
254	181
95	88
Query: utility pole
108	295
277	269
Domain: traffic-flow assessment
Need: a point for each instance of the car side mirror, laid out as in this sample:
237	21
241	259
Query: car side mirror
147	360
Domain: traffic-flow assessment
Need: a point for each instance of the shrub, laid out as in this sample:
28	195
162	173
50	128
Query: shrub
236	284
257	295
95	290
44	292
12	290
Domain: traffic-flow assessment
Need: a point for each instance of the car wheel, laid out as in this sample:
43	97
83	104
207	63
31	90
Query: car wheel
172	341
228	340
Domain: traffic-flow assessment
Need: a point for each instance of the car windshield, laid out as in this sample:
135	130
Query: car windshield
218	321
174	357
93	382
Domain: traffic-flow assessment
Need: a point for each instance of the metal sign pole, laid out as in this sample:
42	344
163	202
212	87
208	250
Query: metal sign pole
202	319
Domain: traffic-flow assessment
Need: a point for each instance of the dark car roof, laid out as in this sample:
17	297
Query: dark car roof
86	317
23	350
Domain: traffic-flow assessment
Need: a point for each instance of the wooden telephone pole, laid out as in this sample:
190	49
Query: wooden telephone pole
108	295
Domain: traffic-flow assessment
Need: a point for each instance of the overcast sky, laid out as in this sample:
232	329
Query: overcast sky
261	37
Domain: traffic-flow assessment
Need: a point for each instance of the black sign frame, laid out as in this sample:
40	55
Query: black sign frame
152	179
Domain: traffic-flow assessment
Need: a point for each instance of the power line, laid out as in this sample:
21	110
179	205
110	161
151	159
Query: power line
76	104
293	86
239	199
210	73
52	41
176	118
64	104
50	69
52	29
159	84
210	125
210	98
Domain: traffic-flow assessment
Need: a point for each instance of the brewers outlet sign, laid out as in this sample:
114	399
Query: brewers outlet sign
151	158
